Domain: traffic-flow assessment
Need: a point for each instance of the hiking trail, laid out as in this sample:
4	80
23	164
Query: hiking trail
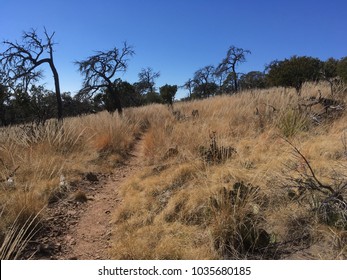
82	229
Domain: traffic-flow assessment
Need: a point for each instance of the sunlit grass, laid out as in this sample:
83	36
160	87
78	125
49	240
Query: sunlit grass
33	159
174	192
166	209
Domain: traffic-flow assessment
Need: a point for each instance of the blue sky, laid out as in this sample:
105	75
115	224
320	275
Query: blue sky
179	37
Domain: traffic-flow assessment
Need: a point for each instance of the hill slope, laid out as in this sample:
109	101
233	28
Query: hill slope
257	175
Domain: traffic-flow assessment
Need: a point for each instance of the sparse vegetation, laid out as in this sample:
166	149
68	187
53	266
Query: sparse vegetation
223	184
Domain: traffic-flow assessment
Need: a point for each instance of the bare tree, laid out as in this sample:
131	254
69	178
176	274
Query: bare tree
100	69
228	65
146	79
189	85
21	62
205	85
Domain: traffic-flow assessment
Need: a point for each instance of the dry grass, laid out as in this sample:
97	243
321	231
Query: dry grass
184	203
33	159
19	234
169	202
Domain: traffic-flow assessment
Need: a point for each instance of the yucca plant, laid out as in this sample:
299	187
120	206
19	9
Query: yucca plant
292	122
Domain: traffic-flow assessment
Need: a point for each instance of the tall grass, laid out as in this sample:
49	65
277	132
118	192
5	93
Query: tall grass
170	199
33	158
166	210
18	235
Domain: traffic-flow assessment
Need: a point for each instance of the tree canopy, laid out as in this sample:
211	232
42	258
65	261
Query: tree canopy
341	69
99	72
253	79
167	93
147	77
204	82
294	72
234	57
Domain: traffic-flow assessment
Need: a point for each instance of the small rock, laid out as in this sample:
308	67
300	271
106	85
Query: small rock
80	196
91	177
46	249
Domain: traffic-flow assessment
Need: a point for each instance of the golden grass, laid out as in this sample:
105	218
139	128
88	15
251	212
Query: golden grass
167	209
169	202
32	159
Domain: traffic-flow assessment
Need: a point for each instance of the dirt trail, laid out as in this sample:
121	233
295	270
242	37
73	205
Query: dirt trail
91	234
74	229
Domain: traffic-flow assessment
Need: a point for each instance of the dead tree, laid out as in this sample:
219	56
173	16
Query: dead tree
21	61
146	79
228	65
99	70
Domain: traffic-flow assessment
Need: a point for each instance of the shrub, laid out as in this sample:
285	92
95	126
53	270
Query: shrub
236	228
292	122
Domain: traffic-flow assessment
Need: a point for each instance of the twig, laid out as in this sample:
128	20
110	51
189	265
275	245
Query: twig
13	172
310	168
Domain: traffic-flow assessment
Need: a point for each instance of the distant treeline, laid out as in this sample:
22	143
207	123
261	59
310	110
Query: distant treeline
22	99
38	104
293	72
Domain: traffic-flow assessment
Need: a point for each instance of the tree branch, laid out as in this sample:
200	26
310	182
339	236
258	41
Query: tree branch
330	189
99	69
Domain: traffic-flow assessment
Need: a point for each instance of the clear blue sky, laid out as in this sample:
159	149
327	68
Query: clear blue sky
178	37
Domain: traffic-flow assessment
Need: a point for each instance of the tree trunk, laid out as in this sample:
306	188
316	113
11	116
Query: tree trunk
115	100
2	117
298	88
118	103
57	90
235	78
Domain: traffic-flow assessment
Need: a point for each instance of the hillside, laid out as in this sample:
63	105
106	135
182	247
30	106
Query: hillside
257	175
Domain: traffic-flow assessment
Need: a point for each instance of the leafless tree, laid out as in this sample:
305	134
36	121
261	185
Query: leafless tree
100	69
21	62
189	85
204	81
205	74
146	79
228	65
